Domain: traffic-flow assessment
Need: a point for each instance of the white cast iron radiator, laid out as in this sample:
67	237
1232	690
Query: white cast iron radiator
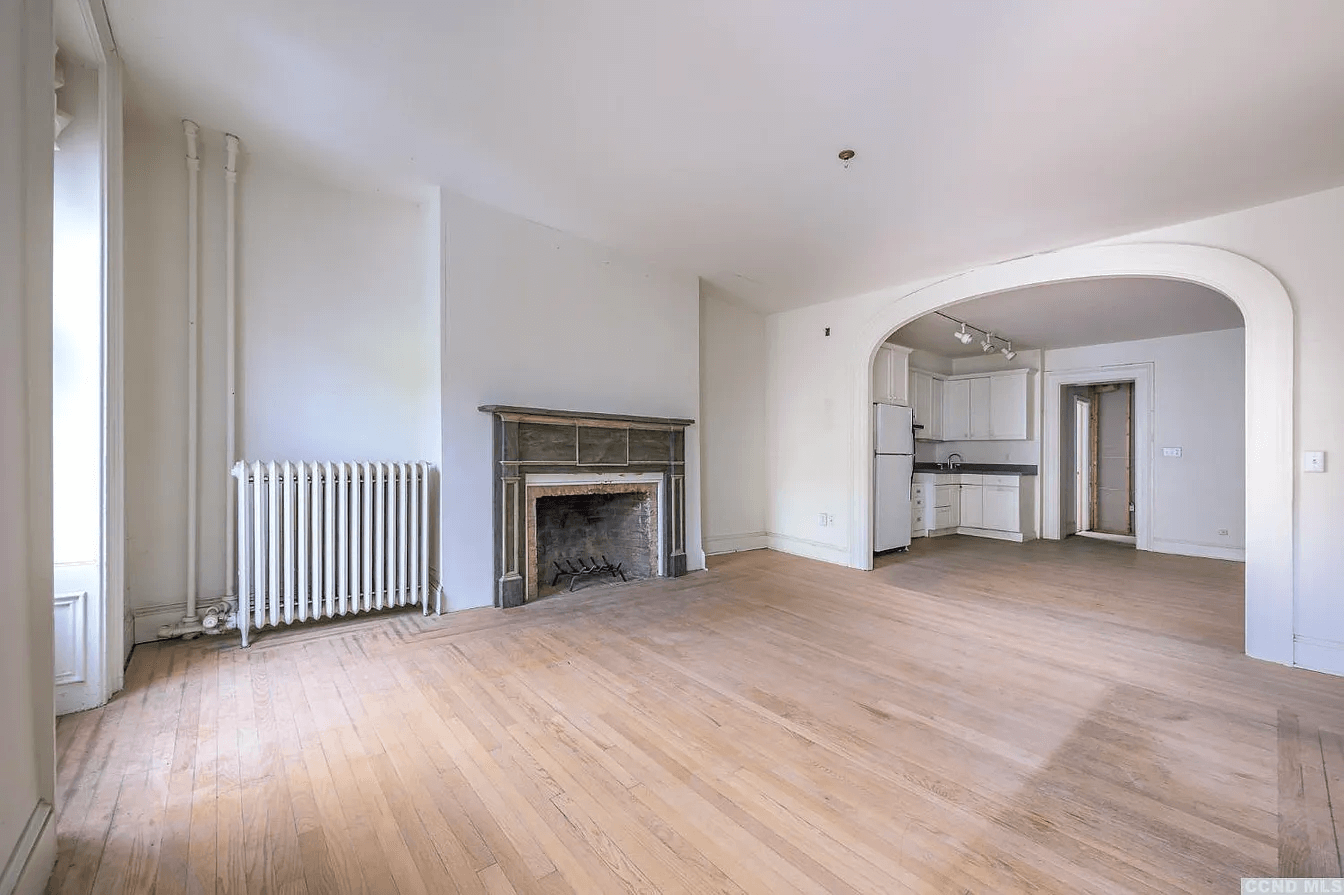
322	540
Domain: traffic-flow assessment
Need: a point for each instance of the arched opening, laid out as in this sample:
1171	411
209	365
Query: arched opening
1269	364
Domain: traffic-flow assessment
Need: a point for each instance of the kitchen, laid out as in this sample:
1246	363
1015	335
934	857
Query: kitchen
954	452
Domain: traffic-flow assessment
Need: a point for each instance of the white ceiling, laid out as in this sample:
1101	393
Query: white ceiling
703	134
1079	312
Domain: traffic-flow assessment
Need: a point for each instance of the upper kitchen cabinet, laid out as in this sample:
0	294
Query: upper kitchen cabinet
980	410
1008	406
956	409
926	397
985	407
891	370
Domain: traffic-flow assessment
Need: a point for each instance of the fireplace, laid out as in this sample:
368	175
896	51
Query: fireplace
579	524
585	490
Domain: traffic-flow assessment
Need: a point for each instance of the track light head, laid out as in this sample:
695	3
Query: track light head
1008	351
988	344
963	337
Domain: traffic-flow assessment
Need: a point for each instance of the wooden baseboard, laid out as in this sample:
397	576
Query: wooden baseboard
1326	656
34	855
716	545
146	620
991	533
1187	548
808	549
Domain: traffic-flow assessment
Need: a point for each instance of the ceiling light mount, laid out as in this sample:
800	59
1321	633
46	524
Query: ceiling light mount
846	156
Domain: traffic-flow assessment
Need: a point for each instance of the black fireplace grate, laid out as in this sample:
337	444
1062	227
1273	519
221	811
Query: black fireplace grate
585	568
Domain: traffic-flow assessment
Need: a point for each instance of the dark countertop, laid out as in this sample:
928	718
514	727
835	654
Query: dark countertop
981	468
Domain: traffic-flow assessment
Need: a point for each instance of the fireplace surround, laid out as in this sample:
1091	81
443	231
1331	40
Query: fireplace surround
625	474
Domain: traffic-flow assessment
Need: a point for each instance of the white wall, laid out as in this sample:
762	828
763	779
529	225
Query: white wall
27	733
1298	239
539	318
734	501
339	333
155	375
77	316
1199	405
337	342
808	431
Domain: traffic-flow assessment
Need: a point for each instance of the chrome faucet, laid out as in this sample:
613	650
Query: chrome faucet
953	464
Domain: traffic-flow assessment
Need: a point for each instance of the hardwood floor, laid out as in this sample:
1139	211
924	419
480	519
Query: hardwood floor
974	716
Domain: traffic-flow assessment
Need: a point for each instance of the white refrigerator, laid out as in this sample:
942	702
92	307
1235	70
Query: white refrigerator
893	471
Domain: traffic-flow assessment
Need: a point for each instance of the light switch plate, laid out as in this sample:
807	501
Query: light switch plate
1171	452
1313	461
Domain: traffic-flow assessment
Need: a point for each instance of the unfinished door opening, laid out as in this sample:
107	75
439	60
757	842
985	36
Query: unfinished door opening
1102	502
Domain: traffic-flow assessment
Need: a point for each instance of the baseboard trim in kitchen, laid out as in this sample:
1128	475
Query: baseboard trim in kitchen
1107	536
994	534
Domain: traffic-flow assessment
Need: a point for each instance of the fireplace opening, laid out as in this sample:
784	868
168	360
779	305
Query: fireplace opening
593	529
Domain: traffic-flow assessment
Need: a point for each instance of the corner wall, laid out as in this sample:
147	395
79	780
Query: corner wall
735	501
539	318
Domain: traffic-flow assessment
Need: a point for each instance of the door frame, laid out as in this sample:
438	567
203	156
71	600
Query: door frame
1142	375
1082	482
1270	582
106	658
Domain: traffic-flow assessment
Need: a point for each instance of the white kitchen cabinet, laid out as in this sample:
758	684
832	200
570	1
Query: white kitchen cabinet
918	525
891	373
972	509
926	397
985	407
956	410
1008	406
979	504
980	409
1000	508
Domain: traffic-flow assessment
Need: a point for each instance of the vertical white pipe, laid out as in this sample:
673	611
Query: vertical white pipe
231	335
193	350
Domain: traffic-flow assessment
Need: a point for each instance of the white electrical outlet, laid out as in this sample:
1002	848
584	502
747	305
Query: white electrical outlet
1223	531
1171	452
1313	461
822	519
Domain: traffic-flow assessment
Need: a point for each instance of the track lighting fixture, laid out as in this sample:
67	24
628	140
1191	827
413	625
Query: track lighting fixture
991	342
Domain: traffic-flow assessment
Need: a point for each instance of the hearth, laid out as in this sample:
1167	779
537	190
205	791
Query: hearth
591	490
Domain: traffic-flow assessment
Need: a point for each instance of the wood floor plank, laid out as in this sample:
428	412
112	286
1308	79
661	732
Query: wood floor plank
1332	756
970	716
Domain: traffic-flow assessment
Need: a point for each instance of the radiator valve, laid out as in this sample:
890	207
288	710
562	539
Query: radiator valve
218	618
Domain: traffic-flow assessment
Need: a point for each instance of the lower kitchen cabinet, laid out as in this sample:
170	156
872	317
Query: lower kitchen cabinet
1000	508
972	507
990	506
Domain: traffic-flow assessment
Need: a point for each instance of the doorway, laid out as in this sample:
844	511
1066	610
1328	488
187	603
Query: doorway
1100	491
